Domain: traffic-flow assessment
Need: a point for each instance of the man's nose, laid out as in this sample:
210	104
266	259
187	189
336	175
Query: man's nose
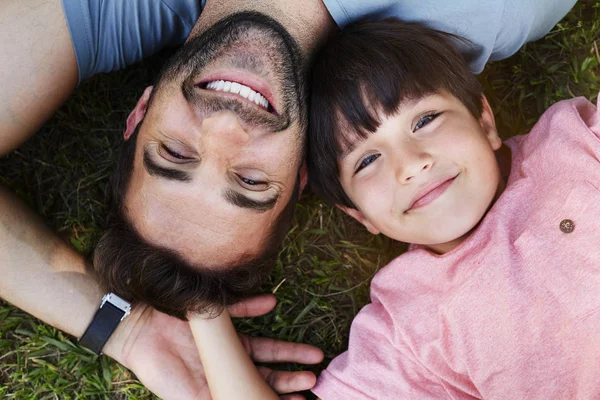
411	162
222	134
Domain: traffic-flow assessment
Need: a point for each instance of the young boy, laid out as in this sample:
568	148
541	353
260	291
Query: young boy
499	295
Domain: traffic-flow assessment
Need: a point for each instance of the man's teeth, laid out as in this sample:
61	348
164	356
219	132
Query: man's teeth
242	90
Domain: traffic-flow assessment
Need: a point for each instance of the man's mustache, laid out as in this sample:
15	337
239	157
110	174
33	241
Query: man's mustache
207	103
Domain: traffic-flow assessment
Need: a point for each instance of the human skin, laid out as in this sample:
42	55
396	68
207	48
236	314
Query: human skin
38	72
222	356
387	175
427	175
221	141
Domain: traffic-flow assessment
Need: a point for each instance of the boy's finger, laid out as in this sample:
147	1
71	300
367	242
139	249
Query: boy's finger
288	382
270	350
253	306
293	397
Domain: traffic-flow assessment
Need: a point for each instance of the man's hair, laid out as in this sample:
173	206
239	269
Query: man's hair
363	74
139	271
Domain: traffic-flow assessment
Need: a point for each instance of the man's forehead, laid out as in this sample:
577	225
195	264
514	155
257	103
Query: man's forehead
169	205
200	228
199	234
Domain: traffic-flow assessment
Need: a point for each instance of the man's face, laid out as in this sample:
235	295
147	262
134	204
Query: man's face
220	146
427	175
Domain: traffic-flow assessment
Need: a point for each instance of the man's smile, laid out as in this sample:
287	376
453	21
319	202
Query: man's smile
246	86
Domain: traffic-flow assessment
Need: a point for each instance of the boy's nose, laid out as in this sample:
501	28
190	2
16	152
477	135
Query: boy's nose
412	164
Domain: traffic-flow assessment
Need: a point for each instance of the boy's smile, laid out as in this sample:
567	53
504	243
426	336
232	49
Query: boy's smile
430	192
427	175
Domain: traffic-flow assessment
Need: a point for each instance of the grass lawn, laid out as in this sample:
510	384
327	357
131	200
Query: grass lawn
323	273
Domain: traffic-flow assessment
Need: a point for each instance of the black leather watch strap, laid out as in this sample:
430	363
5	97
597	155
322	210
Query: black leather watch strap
103	324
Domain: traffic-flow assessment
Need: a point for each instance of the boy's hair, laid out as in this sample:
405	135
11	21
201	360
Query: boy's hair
363	74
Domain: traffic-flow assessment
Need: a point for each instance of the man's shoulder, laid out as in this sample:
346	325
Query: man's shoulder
186	8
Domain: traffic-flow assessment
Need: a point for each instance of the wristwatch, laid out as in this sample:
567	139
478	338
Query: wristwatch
113	310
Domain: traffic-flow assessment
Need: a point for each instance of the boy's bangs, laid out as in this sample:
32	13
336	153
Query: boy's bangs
371	82
360	112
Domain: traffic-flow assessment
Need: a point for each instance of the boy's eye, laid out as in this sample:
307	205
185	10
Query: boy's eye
425	120
366	161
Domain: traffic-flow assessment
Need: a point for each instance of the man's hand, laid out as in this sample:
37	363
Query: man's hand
160	350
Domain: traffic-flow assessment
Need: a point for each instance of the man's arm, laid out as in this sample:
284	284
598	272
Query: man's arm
39	63
38	69
40	273
44	276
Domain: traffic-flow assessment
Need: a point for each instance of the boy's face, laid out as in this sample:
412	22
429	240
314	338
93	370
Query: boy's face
427	175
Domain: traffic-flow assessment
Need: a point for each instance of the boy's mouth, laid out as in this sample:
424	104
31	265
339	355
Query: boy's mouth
430	192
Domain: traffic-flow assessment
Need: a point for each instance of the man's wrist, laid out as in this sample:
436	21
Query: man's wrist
118	345
113	309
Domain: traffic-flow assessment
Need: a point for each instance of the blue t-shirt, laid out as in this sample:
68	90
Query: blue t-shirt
111	34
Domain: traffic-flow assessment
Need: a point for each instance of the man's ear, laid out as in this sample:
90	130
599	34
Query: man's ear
357	215
488	123
138	113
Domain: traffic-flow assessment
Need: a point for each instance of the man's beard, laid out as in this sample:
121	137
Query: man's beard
280	51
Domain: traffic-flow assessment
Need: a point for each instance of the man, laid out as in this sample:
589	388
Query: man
192	135
35	80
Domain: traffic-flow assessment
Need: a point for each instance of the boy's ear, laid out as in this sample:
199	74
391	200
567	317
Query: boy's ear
303	176
138	113
488	123
357	215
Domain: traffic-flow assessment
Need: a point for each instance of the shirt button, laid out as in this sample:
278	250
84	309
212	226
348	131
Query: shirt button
567	226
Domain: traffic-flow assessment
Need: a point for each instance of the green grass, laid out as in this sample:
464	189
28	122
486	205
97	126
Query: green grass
323	274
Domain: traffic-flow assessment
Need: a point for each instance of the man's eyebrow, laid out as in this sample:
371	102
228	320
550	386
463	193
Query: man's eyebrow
243	201
168	173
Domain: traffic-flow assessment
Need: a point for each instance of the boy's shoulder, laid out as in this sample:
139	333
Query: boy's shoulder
579	108
567	128
564	119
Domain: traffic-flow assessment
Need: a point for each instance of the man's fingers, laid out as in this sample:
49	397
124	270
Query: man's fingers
288	382
273	351
253	306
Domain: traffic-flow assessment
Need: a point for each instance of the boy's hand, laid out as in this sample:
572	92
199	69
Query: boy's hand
160	350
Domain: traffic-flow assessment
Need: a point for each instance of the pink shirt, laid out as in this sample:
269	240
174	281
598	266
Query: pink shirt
511	313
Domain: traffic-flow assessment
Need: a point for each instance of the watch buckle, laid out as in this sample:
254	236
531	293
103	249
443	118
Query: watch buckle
117	302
